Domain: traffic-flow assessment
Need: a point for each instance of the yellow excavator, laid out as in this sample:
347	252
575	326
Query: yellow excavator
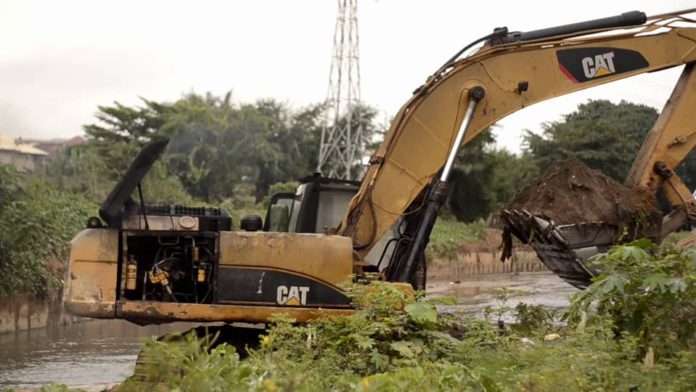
161	263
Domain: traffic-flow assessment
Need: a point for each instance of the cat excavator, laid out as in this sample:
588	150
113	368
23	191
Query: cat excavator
162	263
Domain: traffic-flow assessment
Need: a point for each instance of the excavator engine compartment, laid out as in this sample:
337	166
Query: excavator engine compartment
169	266
169	253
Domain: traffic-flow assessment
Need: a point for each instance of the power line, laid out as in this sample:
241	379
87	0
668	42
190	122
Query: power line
340	150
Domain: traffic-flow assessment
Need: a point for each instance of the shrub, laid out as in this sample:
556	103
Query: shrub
395	343
448	235
647	293
36	224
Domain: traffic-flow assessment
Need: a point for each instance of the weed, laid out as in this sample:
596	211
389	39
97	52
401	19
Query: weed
449	234
396	342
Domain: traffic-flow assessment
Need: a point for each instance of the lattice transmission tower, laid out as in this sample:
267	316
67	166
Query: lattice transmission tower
342	132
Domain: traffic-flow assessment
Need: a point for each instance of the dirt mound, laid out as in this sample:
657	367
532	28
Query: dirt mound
571	192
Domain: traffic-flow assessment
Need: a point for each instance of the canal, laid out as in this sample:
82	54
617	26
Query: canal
97	354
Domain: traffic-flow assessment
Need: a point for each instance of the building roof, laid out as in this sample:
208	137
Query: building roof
6	143
31	150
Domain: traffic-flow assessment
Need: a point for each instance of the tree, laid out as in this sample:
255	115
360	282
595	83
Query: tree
217	148
484	178
511	173
471	196
124	124
604	135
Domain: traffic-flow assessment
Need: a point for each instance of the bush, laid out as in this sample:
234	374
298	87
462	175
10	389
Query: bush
448	235
646	293
36	224
396	343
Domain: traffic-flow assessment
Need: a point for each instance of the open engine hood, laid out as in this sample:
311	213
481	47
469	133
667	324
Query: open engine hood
113	206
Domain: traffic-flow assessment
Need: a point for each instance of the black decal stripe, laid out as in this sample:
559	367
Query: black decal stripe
260	286
244	303
625	60
567	73
287	271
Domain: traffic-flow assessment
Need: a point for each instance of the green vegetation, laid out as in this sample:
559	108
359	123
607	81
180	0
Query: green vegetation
647	293
449	234
218	149
37	222
395	342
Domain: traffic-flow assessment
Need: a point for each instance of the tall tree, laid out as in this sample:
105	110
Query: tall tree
471	195
217	148
604	135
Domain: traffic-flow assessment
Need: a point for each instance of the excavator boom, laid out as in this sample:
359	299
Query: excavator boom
515	70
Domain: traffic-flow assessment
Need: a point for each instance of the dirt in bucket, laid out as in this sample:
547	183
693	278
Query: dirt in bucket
571	192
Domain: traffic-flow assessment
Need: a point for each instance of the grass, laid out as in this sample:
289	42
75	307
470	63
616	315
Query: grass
449	234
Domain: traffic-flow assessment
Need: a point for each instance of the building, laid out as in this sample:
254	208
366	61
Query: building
24	157
53	146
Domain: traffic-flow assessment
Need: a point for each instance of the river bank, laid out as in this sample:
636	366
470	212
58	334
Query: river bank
476	263
23	312
103	352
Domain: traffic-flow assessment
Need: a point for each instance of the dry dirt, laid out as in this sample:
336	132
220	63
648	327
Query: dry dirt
571	192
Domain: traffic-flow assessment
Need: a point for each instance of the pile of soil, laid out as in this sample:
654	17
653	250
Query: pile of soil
571	192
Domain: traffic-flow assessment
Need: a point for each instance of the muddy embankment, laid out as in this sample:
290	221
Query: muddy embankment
22	312
483	257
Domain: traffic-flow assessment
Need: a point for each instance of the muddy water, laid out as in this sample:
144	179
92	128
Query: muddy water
101	353
93	353
476	293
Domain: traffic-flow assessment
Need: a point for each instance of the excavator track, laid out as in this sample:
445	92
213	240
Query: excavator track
564	249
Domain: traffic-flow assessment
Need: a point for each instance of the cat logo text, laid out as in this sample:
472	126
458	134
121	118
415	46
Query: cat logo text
292	295
599	65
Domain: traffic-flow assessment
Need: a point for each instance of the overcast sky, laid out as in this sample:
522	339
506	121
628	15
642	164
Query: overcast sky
60	59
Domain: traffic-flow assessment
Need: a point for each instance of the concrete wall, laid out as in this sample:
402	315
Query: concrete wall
22	312
22	162
481	263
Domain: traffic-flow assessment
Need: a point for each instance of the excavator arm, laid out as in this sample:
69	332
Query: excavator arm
407	176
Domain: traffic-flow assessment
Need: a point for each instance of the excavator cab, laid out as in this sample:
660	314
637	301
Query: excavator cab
317	206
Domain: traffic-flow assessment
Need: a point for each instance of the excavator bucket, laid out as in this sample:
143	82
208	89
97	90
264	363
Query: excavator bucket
572	213
564	249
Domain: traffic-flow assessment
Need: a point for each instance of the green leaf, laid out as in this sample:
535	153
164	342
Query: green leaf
365	343
403	348
656	281
421	313
630	252
677	285
613	283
